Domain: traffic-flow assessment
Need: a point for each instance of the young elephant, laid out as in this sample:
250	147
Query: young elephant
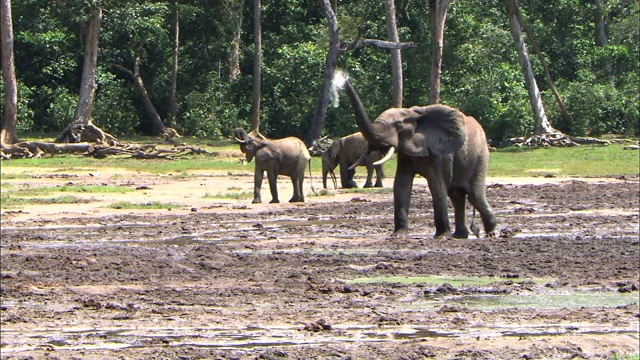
288	156
345	152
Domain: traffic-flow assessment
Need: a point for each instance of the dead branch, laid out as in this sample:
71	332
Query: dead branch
358	43
105	145
556	139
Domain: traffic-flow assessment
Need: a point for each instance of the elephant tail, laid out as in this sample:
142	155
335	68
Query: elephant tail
311	178
475	229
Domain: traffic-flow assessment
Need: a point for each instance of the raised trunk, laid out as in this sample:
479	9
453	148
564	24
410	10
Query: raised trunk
366	127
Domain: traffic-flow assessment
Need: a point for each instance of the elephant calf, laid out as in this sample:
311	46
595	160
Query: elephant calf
345	152
288	156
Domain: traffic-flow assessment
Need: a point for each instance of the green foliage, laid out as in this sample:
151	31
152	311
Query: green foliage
114	108
210	114
602	108
481	74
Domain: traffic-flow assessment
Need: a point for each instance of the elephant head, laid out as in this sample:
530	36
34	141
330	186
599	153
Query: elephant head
416	131
249	143
330	162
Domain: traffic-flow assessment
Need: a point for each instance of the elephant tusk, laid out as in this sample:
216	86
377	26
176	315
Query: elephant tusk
387	156
240	140
360	161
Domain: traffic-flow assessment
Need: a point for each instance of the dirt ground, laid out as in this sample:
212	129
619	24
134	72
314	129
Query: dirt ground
219	278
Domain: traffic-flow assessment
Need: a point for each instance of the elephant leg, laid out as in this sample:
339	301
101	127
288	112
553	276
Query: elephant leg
346	176
257	185
369	183
297	189
273	186
379	176
478	199
438	188
402	186
459	200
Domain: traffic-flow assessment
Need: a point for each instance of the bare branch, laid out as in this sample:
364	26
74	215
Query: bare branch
383	44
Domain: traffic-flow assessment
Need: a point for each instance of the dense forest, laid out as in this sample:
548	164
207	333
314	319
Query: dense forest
589	46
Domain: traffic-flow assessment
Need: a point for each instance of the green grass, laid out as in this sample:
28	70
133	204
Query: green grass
9	201
152	205
583	160
617	356
39	191
609	160
242	195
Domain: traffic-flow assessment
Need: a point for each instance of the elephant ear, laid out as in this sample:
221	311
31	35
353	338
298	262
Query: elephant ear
431	130
334	150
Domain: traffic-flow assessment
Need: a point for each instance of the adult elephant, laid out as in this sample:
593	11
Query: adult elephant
439	143
344	152
288	156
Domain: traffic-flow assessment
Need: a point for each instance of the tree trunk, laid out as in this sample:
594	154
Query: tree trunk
173	102
542	125
9	127
438	9
257	67
234	58
547	74
601	38
158	126
331	61
396	55
82	115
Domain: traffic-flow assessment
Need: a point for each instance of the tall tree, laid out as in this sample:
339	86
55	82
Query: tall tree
335	49
173	101
545	67
82	117
257	66
317	124
396	54
438	10
601	38
9	127
542	125
234	57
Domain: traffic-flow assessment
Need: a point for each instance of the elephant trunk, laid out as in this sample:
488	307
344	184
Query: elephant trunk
367	128
327	170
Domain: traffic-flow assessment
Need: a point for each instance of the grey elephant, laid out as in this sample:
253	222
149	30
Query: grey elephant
439	143
288	156
345	151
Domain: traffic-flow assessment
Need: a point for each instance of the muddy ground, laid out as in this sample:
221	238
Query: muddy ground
224	279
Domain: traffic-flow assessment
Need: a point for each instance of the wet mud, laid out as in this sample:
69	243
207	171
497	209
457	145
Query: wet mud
286	281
